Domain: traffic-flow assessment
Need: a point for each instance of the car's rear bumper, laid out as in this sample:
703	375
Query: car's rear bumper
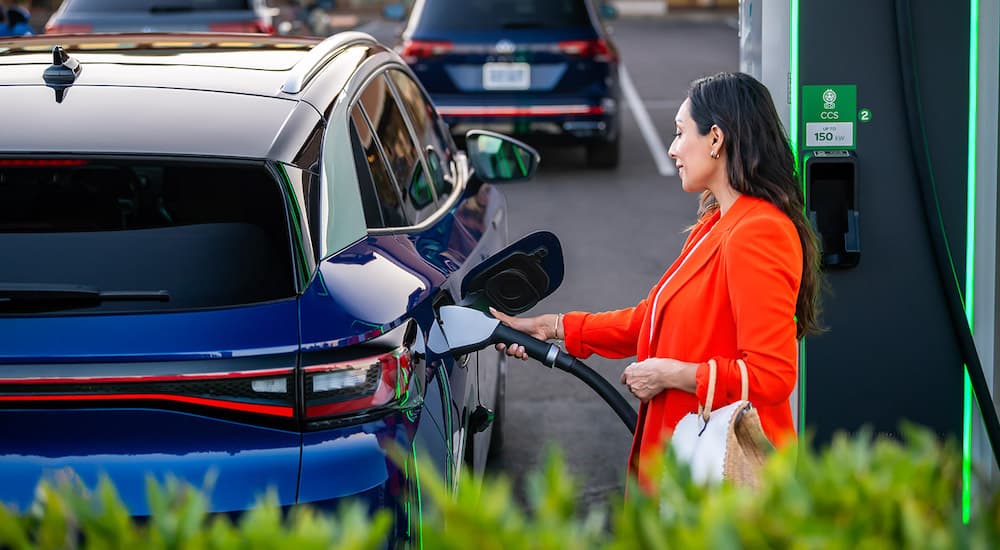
127	446
236	463
554	120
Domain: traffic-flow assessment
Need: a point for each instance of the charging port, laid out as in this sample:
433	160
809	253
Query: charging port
831	199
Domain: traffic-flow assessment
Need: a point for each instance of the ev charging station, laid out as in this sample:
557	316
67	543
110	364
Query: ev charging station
892	109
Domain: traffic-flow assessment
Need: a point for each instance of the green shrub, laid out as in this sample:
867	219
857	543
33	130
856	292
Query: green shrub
484	514
855	494
66	515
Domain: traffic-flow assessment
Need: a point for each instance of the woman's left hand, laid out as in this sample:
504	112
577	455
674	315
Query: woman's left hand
648	378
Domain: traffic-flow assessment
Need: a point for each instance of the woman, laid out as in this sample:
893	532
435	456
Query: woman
745	285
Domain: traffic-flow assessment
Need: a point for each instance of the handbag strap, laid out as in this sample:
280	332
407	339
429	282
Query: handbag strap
744	381
705	410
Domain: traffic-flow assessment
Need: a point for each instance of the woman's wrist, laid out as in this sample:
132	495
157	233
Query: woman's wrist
558	332
674	374
684	377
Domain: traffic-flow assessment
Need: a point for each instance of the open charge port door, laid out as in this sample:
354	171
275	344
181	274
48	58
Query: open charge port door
831	199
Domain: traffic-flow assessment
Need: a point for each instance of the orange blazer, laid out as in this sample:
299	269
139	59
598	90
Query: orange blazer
733	298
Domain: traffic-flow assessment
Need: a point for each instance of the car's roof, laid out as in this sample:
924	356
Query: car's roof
241	63
211	94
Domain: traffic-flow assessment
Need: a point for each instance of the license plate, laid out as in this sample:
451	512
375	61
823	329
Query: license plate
506	76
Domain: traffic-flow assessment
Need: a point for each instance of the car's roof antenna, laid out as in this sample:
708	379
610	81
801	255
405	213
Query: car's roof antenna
62	73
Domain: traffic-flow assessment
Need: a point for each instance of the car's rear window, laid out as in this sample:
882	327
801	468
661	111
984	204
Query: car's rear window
150	6
475	15
204	234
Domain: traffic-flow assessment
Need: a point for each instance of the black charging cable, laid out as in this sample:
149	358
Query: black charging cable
551	356
935	225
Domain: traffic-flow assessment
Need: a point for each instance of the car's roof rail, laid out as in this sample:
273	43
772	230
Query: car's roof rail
319	56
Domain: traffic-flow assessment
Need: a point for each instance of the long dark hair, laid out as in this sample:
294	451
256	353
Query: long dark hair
761	164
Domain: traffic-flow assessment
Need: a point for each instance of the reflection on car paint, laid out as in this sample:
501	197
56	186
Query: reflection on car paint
215	334
375	292
189	446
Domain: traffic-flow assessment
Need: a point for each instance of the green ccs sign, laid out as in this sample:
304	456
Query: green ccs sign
828	113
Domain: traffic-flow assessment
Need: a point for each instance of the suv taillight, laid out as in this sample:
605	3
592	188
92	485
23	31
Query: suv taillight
598	49
41	163
268	392
70	28
414	50
242	26
358	385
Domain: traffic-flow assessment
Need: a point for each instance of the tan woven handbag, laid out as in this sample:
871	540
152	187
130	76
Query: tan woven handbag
727	443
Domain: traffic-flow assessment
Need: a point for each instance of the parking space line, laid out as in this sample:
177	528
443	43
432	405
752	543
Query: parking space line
656	147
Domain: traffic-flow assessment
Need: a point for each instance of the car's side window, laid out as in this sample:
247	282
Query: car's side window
379	194
432	132
401	153
308	160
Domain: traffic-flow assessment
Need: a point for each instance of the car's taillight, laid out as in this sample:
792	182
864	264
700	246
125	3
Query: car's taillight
242	26
358	385
598	49
268	392
35	163
68	28
415	50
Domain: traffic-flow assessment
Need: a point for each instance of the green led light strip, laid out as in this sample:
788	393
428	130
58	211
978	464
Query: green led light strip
420	502
970	251
793	141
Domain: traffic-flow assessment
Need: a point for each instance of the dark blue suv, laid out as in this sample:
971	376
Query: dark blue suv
222	256
543	70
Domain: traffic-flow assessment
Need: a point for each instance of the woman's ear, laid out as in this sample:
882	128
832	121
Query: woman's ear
718	136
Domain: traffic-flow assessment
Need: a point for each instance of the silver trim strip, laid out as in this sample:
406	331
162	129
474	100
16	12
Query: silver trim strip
319	56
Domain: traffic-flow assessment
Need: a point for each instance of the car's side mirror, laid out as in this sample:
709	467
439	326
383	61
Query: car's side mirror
394	12
499	158
516	278
608	11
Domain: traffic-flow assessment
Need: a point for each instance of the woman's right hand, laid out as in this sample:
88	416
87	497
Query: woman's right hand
542	327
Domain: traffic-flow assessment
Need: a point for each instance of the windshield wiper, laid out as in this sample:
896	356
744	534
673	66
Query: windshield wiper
33	297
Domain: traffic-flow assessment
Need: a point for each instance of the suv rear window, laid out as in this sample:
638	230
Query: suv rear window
478	15
151	6
208	234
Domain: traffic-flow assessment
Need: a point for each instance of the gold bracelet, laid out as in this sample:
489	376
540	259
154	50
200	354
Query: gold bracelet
559	318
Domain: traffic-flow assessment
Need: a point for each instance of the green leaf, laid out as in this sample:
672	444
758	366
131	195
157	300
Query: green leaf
12	530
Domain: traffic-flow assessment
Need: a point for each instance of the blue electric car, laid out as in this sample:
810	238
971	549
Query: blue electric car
542	70
222	255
